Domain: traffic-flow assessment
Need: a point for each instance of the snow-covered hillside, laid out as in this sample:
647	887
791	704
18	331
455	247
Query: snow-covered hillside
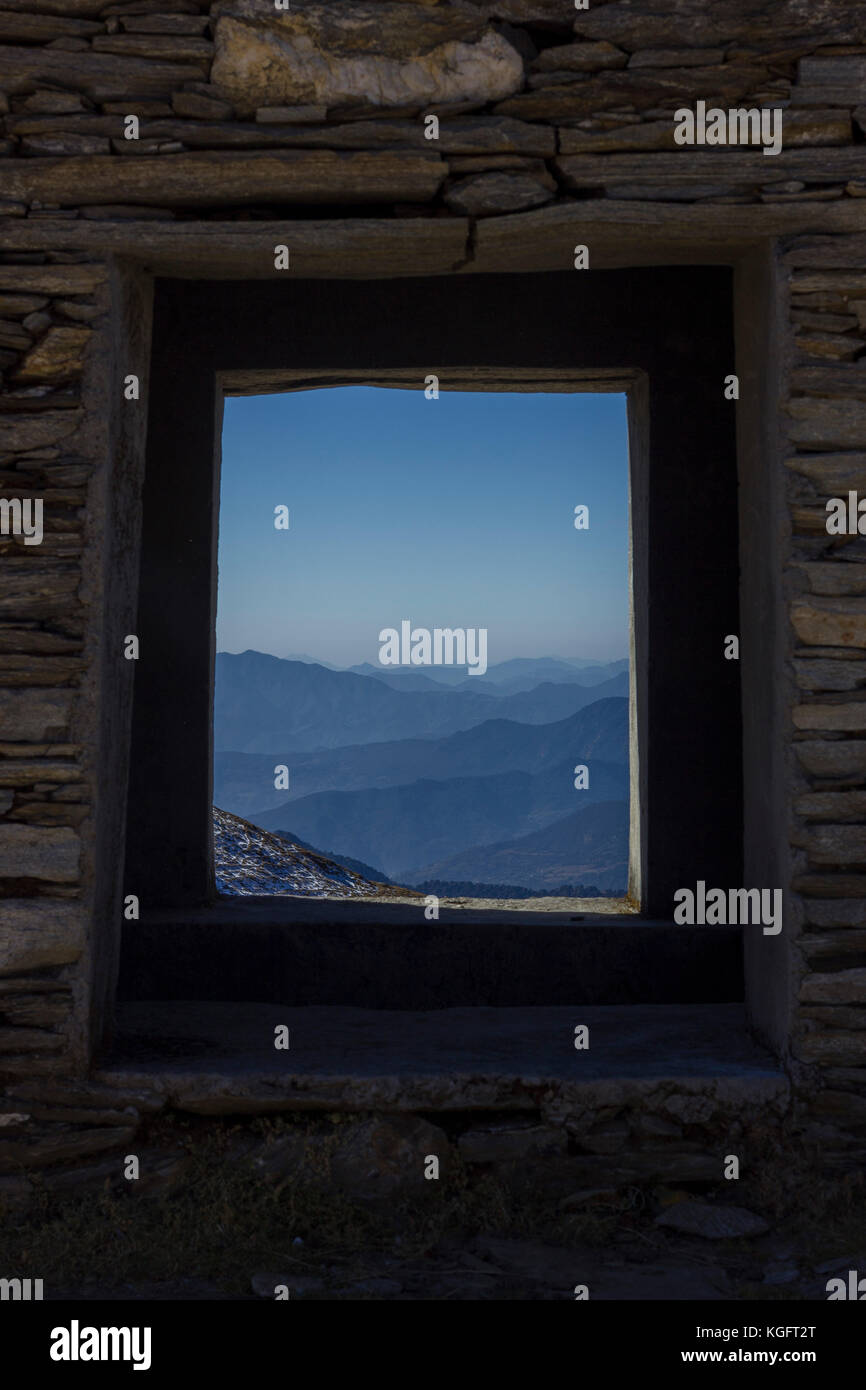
250	860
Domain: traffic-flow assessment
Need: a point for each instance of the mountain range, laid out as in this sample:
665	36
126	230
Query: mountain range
244	782
263	704
420	822
589	844
432	775
504	678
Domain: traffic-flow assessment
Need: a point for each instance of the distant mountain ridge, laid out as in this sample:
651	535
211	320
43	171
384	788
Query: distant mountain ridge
502	678
590	845
243	782
402	826
453	888
432	775
264	704
357	866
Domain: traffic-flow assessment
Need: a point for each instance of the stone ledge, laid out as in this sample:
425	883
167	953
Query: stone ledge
220	1059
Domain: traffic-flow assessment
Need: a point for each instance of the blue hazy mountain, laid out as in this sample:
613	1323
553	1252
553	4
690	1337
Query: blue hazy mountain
503	678
244	782
404	678
263	704
589	845
422	822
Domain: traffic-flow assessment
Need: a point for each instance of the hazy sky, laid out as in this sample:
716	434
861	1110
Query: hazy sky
456	512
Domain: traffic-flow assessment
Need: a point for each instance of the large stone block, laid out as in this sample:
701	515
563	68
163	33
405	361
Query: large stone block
847	718
695	24
832	806
697	173
457	135
27	774
833	757
484	195
812	251
367	247
840	380
205	179
830	675
836	844
830	622
801	128
841	987
26	669
640	88
835	579
825	424
840	81
32	28
56	357
382	54
40	1009
836	913
52	279
171	47
38	932
39	430
34	715
103	76
30	851
833	885
841	1046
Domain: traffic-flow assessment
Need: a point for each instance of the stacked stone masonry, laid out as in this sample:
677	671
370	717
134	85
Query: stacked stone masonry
558	114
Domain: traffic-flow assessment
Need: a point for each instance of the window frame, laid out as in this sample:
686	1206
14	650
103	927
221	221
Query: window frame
551	331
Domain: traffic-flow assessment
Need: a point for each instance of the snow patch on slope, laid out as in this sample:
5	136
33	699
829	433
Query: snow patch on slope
253	861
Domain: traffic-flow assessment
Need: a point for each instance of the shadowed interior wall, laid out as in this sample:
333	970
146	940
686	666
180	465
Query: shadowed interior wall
118	550
764	548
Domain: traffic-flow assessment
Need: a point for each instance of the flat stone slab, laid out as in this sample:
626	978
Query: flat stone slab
713	1222
220	1058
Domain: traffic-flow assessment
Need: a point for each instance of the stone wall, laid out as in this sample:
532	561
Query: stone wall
826	589
257	126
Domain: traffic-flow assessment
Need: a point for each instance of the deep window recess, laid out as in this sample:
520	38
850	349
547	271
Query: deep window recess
661	335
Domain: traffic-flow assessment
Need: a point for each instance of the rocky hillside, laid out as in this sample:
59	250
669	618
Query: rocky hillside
251	861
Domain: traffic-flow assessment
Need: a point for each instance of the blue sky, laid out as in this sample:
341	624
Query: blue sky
456	512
